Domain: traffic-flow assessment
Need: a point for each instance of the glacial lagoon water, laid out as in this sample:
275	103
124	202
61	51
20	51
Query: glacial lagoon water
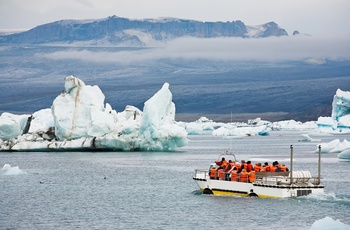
155	190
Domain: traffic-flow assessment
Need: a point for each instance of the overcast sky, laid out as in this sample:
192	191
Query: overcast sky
315	17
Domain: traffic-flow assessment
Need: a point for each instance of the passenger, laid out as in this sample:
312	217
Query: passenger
252	176
267	167
223	163
234	175
243	176
228	166
221	174
284	168
249	166
243	165
213	173
238	166
263	168
257	167
228	169
273	167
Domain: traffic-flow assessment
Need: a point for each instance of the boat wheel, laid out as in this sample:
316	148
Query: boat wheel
208	191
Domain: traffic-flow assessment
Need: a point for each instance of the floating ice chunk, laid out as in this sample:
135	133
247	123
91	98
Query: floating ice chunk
7	169
339	122
335	146
294	125
307	138
242	131
327	147
344	154
328	223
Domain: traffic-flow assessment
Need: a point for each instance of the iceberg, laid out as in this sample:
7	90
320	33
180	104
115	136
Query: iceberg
339	122
335	146
294	125
345	154
242	131
200	126
307	138
80	120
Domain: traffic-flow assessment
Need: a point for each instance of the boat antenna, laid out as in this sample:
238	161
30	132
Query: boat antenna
231	138
291	164
319	165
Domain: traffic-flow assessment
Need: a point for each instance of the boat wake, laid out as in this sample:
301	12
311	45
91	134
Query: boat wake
330	197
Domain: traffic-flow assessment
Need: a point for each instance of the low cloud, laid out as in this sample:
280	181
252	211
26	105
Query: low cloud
313	50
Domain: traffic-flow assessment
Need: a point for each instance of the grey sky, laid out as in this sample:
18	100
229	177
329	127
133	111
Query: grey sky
315	17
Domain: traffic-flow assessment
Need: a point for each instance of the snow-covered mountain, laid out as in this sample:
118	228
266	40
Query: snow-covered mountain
119	31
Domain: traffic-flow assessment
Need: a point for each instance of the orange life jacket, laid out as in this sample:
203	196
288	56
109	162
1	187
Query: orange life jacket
244	177
234	175
267	168
238	166
263	169
283	168
224	164
221	174
212	173
230	166
252	176
257	168
249	167
273	168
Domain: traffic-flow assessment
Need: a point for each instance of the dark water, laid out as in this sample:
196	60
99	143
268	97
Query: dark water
145	190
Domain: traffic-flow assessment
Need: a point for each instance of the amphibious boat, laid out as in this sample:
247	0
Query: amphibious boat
264	184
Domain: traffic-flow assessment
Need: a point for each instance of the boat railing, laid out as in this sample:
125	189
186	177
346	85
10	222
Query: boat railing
267	178
201	174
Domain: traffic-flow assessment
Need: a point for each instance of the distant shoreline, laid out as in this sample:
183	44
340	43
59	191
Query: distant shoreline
226	118
239	117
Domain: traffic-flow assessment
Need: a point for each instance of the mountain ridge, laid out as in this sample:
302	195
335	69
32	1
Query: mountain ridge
121	31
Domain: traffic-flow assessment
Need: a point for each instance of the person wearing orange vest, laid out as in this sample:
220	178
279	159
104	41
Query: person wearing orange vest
223	163
273	168
267	167
257	167
234	175
221	174
284	168
243	165
252	176
243	176
249	166
212	173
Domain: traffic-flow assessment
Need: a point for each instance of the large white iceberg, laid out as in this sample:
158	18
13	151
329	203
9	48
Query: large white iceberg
79	119
79	111
339	122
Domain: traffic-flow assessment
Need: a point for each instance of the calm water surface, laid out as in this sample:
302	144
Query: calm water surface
147	190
